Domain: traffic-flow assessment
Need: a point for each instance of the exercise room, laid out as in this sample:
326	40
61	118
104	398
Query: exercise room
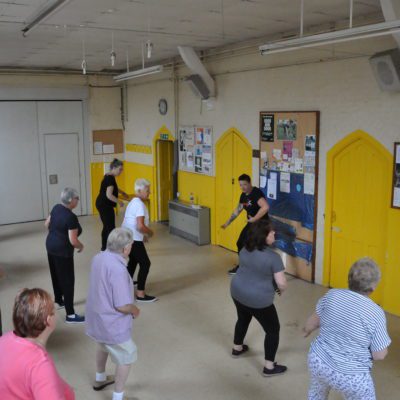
199	199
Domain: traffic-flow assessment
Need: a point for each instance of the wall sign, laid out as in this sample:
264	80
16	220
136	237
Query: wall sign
396	177
267	127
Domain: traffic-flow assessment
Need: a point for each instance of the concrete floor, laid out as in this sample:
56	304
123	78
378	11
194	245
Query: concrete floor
184	340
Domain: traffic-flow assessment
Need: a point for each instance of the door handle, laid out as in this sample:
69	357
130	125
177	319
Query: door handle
336	229
53	179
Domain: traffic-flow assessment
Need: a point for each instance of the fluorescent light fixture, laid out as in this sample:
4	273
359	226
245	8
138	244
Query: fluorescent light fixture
44	14
346	35
139	73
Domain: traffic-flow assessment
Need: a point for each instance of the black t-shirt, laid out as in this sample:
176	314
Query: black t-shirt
62	219
102	200
249	202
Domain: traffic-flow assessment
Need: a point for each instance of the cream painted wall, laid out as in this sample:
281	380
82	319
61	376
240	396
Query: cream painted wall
144	119
345	93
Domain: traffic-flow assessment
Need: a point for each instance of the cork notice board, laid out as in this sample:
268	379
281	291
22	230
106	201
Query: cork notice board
113	137
288	178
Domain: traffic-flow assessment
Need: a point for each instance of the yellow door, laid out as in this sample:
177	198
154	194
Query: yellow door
233	158
165	161
359	208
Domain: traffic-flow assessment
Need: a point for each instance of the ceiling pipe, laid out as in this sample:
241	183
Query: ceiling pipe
193	62
391	12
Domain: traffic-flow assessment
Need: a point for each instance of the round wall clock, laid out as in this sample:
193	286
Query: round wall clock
163	106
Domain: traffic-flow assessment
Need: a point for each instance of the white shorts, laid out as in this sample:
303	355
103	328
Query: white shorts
121	354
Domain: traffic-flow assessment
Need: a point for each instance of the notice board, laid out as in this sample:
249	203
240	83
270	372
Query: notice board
288	177
108	141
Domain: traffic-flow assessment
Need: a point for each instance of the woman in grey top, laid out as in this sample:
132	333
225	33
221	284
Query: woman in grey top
253	291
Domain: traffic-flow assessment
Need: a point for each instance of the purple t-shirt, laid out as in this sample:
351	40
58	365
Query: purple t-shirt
110	286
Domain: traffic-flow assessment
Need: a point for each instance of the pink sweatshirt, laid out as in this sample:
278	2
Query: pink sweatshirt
27	372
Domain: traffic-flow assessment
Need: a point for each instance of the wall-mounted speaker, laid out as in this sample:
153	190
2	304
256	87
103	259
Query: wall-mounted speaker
386	68
198	86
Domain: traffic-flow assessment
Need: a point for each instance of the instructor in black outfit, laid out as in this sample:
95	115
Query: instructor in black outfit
253	201
108	199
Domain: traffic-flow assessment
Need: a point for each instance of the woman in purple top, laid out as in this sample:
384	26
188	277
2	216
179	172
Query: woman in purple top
110	311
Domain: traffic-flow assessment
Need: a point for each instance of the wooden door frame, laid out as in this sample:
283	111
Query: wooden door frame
169	137
218	146
331	155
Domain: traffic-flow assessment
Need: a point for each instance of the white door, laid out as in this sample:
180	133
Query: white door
62	166
21	187
60	126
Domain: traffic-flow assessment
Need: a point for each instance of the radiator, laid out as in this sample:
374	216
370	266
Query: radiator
189	223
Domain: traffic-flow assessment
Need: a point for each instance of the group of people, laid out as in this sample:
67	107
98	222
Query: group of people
352	328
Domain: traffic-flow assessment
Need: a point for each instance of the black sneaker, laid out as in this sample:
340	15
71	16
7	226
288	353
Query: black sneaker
146	299
237	353
277	370
233	270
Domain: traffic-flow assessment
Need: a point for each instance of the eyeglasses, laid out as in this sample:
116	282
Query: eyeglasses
76	198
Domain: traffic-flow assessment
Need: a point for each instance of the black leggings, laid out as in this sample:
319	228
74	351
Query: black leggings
242	237
268	319
63	279
139	256
107	216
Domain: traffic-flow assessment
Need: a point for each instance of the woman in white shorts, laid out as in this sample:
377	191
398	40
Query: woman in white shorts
110	311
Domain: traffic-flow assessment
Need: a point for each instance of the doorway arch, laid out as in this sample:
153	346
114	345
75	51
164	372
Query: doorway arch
233	155
357	200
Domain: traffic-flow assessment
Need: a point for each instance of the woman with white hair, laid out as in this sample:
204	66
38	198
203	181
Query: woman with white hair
62	240
110	310
137	220
352	335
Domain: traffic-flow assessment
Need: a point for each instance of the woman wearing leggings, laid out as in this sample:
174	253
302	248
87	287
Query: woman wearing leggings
252	290
137	221
108	199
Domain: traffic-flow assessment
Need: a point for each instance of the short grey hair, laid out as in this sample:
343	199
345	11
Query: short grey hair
141	184
118	239
364	275
67	195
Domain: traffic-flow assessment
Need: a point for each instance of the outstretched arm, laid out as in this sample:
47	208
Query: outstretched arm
234	215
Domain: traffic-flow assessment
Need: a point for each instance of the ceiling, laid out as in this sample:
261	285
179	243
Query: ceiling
203	24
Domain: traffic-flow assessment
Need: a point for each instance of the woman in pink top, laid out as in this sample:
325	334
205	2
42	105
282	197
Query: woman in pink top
27	372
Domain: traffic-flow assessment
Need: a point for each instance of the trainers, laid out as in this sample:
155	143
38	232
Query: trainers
146	299
100	385
233	270
77	319
237	353
277	370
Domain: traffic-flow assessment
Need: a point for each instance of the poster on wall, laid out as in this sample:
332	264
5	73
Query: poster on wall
396	177
310	143
195	149
287	129
267	127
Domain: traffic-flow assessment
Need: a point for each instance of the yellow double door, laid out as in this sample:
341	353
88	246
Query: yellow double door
233	158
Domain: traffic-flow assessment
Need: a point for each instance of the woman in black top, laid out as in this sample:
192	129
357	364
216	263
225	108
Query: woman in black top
108	199
62	239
